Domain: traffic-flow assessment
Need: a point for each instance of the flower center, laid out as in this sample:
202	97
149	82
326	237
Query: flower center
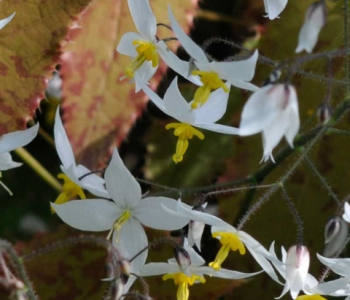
146	52
183	281
310	297
211	82
185	132
69	190
125	216
229	241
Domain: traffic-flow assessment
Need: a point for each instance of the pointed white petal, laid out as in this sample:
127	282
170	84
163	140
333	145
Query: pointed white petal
151	214
346	215
292	128
152	95
153	269
227	274
144	74
213	109
176	106
195	232
196	259
330	287
5	21
125	45
244	85
62	143
219	128
341	266
143	17
121	185
243	69
280	266
89	215
274	7
7	163
190	46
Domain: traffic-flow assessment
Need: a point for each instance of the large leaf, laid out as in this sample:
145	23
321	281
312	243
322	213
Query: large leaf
99	109
30	48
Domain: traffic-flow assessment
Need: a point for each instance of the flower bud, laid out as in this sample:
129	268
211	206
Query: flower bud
336	232
274	76
324	113
183	259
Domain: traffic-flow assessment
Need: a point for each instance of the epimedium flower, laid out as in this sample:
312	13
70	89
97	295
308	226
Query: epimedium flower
4	22
273	8
76	177
189	271
230	238
273	111
123	216
212	75
315	20
205	117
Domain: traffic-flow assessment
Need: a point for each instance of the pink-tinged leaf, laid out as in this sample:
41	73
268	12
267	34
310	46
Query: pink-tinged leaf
99	108
29	50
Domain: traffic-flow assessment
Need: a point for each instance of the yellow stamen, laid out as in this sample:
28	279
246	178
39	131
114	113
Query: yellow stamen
69	190
229	241
183	281
310	297
146	52
185	132
211	82
125	216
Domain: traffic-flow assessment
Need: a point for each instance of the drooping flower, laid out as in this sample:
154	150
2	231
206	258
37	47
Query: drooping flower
230	238
336	233
5	21
190	274
212	74
76	177
315	19
205	117
274	7
123	216
346	215
273	111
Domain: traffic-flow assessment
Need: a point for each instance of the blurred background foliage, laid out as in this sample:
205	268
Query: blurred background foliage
147	148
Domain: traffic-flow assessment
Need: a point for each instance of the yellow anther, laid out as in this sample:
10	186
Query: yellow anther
183	281
146	52
69	190
229	241
310	297
185	132
125	216
211	82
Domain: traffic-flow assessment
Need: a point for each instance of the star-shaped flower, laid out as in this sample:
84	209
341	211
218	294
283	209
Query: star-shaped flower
274	7
273	111
124	215
212	74
5	21
205	117
76	177
193	272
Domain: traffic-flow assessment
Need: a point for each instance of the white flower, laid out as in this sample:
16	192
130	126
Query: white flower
212	74
205	117
143	46
230	238
315	19
73	173
192	273
274	7
346	215
122	216
5	21
273	110
340	266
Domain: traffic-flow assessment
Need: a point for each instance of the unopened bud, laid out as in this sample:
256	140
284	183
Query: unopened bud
183	259
324	113
274	76
124	266
336	232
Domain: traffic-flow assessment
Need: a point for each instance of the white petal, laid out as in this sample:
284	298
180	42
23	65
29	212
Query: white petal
196	259
62	143
152	95
121	185
190	46
17	139
5	21
244	85
346	215
153	269
314	21
176	106
340	266
125	45
293	125
89	215
7	163
132	239
243	69
214	109
330	287
219	128
151	214
144	74
274	7
227	274
143	17
195	232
